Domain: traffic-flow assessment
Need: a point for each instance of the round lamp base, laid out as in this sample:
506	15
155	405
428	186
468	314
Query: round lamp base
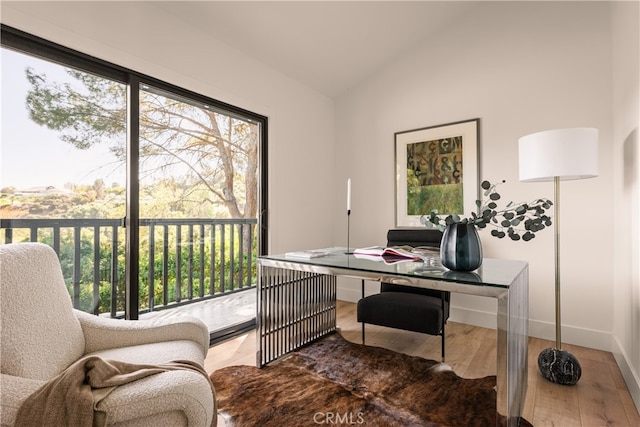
559	366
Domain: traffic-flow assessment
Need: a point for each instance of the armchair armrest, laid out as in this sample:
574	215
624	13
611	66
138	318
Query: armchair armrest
168	393
103	333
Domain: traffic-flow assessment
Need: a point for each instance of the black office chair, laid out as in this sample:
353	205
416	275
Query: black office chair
407	307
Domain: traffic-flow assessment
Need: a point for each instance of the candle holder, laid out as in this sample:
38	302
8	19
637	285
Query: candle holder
348	252
348	214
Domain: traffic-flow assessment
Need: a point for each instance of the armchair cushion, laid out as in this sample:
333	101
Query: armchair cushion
36	314
179	394
70	397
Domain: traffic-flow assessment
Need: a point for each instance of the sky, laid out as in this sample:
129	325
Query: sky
32	155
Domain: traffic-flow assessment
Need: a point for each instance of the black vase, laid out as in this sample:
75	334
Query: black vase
460	249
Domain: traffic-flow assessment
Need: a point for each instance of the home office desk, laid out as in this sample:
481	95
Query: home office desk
297	305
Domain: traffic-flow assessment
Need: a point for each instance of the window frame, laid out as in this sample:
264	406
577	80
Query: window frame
29	44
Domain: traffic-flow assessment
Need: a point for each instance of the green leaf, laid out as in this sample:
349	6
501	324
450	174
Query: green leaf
452	219
532	217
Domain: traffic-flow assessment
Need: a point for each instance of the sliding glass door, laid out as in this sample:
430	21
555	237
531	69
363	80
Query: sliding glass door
198	177
149	193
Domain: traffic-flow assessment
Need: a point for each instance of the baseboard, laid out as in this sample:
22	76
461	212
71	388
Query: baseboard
631	378
468	316
590	338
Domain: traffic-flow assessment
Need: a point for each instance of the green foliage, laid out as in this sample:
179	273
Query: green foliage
93	114
82	290
210	156
518	221
221	270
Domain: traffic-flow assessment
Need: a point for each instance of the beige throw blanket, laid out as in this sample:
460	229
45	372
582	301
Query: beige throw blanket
71	398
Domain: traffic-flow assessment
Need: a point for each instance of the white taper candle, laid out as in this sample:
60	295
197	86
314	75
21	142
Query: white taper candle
348	194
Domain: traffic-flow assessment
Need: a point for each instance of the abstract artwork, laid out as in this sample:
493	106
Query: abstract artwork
436	168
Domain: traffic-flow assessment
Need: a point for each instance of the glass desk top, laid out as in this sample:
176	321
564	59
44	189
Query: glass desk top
281	329
493	272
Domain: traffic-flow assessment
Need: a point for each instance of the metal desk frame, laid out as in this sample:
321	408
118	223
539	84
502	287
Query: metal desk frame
297	305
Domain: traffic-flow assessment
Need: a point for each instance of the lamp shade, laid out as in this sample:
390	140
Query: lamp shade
564	153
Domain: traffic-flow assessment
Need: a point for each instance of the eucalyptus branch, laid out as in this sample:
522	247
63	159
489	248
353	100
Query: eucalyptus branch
516	220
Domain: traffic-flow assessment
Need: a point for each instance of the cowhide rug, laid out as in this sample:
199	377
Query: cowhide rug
336	382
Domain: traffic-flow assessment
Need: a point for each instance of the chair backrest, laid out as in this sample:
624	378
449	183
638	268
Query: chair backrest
41	336
413	237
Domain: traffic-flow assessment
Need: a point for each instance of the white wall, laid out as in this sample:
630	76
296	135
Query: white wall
520	68
153	42
626	124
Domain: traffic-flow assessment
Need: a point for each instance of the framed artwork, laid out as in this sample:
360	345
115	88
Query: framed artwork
437	167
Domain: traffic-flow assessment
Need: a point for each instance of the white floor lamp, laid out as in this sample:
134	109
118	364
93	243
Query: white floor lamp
559	155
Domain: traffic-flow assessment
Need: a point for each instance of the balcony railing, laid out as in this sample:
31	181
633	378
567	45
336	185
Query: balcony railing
181	260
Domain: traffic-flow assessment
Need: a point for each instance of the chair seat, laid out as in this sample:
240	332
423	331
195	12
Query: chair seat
403	310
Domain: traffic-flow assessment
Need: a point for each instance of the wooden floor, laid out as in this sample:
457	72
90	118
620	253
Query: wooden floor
599	399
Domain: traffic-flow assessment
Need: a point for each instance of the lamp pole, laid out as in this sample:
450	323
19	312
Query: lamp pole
556	247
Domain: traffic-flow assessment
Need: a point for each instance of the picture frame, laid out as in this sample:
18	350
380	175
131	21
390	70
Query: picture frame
437	167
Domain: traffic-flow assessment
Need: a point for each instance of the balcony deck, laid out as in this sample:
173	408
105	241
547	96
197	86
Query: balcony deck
218	313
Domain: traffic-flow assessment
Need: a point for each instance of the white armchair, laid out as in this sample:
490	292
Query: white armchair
41	335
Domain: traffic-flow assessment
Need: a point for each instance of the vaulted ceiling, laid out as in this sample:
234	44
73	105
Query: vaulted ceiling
327	45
